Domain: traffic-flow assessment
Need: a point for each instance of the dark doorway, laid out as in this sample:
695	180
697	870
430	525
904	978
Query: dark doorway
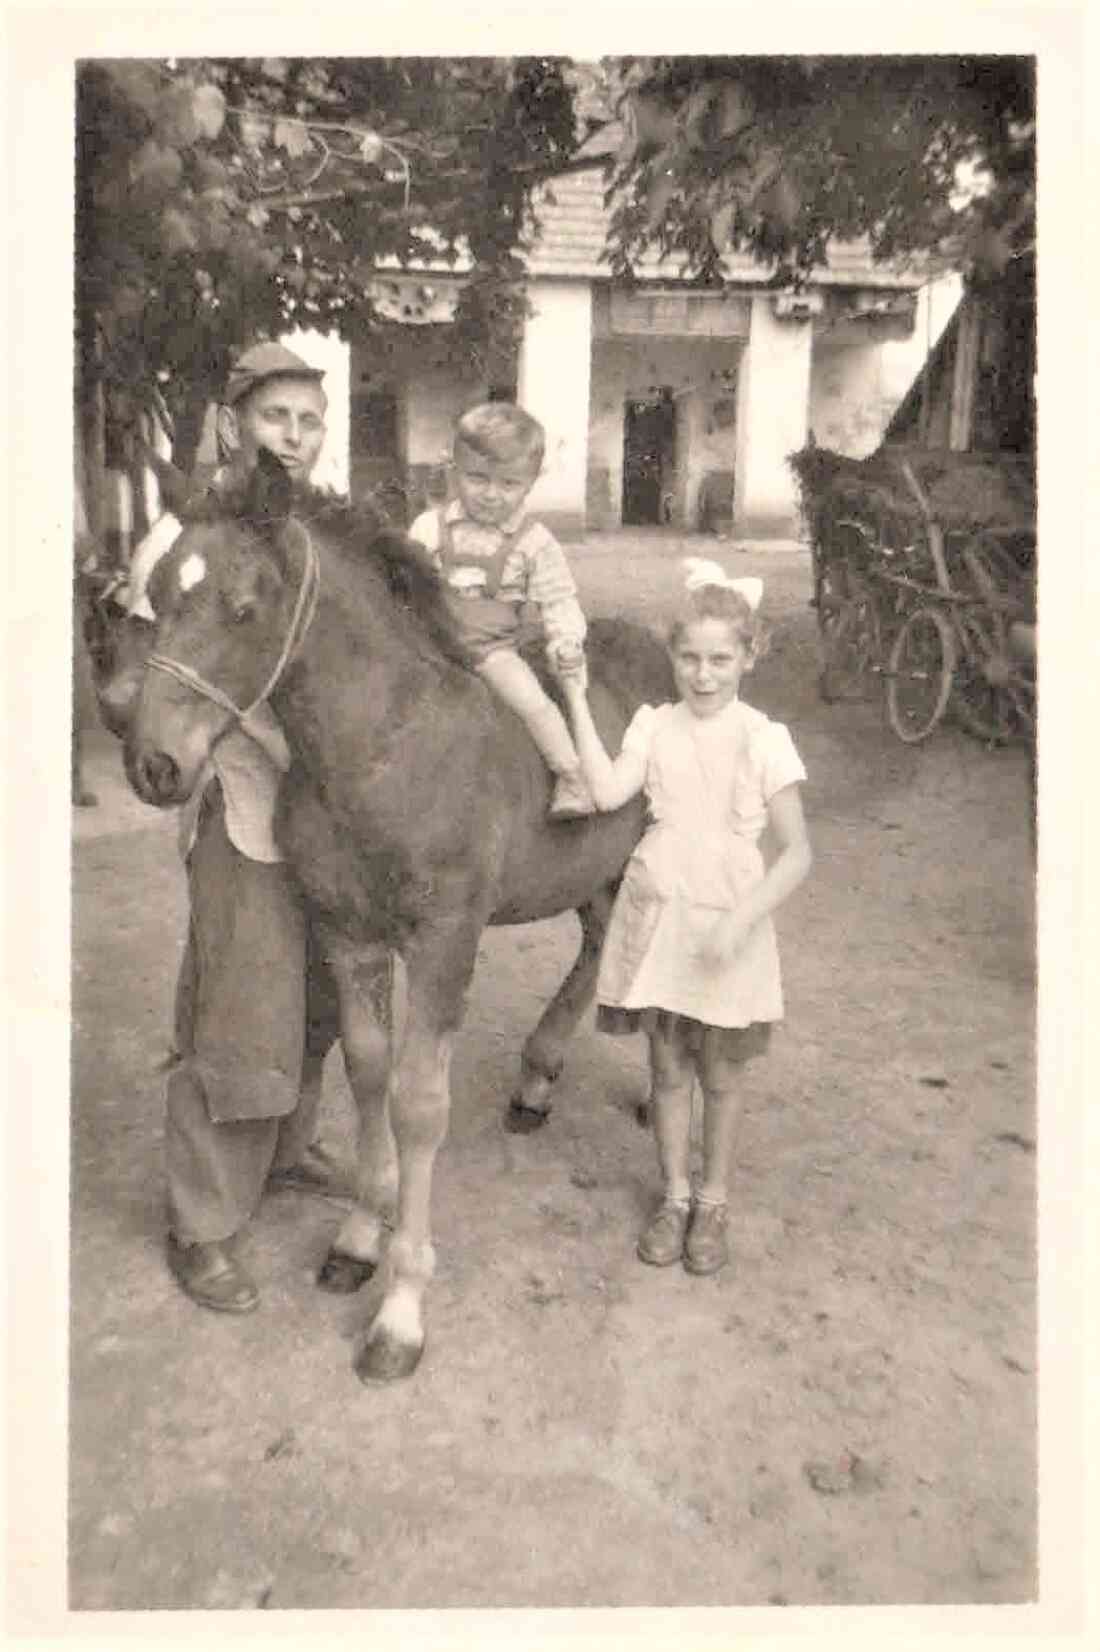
377	476
649	459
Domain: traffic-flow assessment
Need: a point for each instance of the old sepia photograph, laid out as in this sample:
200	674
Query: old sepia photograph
554	900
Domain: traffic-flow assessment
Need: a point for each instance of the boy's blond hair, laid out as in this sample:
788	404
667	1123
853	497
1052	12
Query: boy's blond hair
501	431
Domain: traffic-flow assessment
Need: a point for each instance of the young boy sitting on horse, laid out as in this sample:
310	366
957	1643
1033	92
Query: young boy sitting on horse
255	1005
494	559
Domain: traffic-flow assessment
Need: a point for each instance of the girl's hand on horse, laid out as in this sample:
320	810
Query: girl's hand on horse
568	664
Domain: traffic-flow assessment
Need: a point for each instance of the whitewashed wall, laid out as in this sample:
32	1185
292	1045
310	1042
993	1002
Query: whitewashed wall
333	356
772	410
860	374
554	371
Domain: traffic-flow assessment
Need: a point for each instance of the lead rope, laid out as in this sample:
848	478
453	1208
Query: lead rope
300	621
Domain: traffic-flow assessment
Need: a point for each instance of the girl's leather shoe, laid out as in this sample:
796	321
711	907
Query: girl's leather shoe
211	1276
663	1240
706	1248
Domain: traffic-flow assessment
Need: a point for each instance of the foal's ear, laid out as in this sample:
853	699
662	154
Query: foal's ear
267	497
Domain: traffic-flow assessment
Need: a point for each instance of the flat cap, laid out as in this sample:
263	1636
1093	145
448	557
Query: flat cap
266	361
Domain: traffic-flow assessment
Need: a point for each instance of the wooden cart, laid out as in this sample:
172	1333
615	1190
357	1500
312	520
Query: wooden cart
924	561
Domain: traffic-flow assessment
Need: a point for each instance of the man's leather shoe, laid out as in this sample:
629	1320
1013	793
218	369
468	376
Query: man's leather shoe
211	1277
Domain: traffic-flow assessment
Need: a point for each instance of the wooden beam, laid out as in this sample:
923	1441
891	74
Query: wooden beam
967	353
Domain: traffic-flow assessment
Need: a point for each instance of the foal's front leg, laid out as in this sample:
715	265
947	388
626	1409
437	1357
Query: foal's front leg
438	971
364	977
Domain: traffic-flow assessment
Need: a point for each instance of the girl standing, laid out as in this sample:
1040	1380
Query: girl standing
690	955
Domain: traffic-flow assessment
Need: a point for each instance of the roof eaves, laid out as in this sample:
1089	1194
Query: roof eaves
569	226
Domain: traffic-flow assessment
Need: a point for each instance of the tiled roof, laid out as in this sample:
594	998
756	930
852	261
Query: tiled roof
572	222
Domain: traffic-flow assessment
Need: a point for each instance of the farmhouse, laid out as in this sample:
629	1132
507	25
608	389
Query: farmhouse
665	404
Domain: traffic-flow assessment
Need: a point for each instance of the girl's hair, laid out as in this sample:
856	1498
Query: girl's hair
721	603
503	432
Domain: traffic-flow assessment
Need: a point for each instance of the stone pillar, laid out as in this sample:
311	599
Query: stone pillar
555	364
690	438
772	412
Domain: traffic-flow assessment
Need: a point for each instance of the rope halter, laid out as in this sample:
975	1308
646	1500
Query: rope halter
300	621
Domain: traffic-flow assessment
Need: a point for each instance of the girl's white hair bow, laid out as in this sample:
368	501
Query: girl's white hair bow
700	572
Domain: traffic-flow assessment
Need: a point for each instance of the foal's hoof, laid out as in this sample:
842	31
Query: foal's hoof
343	1274
521	1120
384	1359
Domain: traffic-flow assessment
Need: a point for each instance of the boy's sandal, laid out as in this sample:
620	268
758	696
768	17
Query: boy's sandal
706	1248
662	1243
572	799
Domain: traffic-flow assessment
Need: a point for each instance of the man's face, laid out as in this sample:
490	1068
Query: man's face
286	416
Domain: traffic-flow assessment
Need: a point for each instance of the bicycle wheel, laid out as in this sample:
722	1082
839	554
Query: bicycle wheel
851	650
919	672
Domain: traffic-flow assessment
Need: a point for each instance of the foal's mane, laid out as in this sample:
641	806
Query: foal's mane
358	532
410	577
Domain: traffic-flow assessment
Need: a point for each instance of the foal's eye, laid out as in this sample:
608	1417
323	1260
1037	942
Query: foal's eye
242	612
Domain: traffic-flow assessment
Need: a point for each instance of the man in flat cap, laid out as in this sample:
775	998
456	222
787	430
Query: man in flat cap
274	399
256	1007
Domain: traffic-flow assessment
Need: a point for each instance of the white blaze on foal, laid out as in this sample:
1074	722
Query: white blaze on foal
192	571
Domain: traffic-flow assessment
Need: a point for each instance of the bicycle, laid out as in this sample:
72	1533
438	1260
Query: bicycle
897	615
960	637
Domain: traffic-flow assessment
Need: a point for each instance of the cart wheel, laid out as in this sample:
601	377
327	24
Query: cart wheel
832	593
994	694
851	650
836	579
918	684
983	565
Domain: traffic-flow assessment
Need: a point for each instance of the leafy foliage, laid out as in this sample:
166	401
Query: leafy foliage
222	199
779	155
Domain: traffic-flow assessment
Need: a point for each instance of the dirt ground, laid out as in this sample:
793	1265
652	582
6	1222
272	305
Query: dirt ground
845	1415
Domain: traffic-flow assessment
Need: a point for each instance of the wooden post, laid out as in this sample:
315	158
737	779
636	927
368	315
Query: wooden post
967	351
925	417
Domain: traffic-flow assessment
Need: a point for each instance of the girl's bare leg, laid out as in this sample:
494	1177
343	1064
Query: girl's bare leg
706	1248
673	1072
721	1115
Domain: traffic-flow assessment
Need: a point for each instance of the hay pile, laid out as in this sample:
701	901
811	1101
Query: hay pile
965	491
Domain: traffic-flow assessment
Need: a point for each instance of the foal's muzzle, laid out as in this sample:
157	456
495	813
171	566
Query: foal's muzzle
155	777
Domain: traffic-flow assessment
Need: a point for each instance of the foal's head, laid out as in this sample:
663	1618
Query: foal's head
224	598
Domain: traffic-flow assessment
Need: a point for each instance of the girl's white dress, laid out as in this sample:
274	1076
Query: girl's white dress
708	782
